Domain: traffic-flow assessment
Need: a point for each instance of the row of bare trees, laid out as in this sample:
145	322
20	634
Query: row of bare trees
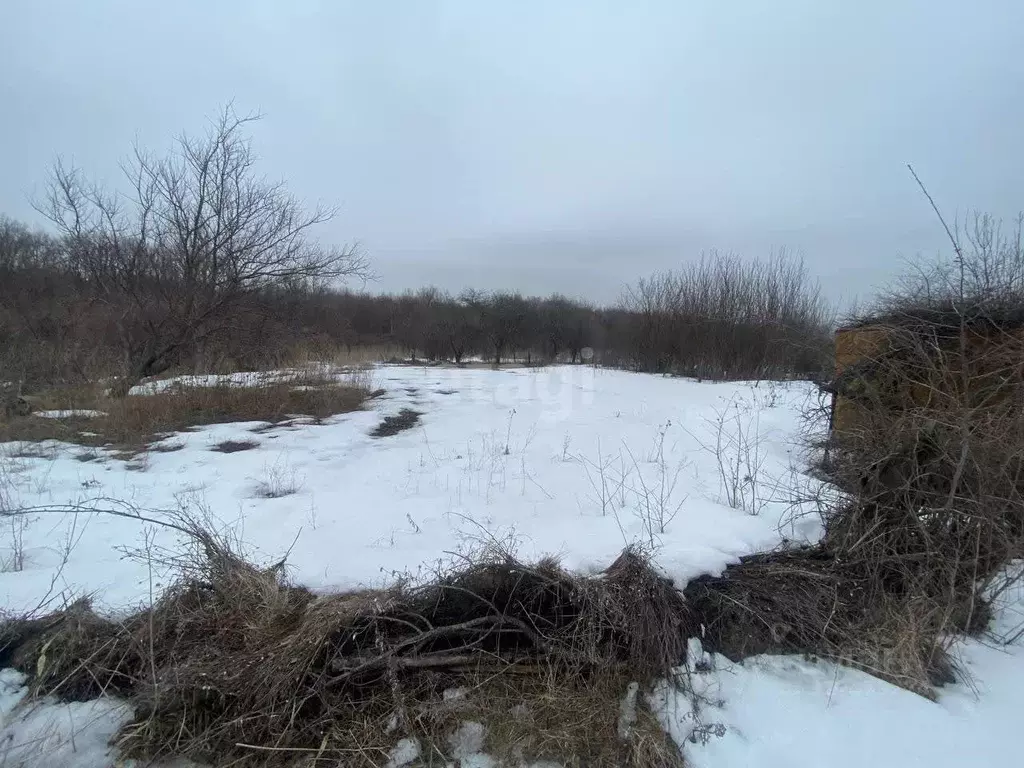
435	325
56	326
198	261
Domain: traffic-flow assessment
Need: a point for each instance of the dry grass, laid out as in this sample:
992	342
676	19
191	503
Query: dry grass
342	356
536	715
233	665
131	424
279	480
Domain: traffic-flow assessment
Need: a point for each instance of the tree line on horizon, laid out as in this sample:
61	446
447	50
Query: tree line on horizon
204	265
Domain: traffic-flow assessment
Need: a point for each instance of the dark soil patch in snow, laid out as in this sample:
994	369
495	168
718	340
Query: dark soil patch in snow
168	446
234	446
405	419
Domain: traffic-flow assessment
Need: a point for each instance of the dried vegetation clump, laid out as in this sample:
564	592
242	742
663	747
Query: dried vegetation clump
233	660
930	457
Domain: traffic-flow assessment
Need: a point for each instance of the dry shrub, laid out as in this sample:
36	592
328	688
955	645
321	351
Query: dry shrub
812	602
723	318
929	449
235	664
935	458
61	650
317	351
930	453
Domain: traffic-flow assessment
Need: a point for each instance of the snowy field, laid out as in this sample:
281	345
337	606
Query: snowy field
569	461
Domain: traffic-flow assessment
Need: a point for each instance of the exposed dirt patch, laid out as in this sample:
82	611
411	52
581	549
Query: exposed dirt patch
405	419
235	446
167	446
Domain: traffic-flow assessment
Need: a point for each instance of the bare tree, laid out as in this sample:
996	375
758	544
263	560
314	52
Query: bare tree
459	328
504	320
197	234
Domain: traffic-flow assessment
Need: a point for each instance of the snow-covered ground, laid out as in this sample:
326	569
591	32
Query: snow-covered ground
571	461
786	712
69	414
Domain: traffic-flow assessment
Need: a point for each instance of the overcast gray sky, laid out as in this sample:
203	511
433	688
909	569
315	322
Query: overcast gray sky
552	144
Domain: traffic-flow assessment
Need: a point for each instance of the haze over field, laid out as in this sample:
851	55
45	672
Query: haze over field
552	146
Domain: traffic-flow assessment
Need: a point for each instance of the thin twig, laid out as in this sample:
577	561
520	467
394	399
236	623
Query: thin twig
949	232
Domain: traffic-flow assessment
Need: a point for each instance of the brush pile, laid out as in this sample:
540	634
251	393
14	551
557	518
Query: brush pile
233	660
932	467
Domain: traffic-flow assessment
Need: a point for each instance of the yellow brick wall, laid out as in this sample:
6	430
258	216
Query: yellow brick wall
853	345
995	361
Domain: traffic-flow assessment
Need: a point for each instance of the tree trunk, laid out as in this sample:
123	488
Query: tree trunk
151	365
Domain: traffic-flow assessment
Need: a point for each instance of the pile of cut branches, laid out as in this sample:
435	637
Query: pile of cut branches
233	659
